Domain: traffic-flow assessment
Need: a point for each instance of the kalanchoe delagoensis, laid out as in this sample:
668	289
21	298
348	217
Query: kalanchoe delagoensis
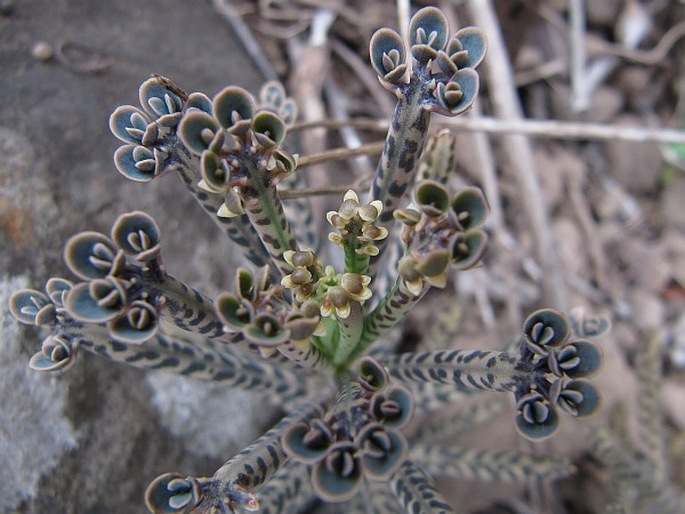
314	338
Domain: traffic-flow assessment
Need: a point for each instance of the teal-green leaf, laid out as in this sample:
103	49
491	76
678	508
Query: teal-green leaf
157	99
214	171
128	124
339	476
394	407
171	493
432	198
578	359
266	330
459	93
55	354
138	325
428	27
136	163
26	305
269	129
388	56
57	289
579	398
545	328
199	101
468	248
197	130
231	106
234	312
307	443
536	417
474	42
90	255
98	301
372	375
383	450
470	208
137	234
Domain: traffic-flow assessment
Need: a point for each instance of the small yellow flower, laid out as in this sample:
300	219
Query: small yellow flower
412	278
356	286
302	278
336	300
355	223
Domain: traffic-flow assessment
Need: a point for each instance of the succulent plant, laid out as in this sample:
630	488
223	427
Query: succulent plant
318	341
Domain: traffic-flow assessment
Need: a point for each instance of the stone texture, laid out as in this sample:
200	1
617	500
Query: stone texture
106	437
35	431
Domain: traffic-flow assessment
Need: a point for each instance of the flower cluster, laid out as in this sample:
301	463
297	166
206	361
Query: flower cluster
355	223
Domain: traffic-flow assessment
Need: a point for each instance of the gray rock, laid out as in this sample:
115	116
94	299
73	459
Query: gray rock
90	440
35	431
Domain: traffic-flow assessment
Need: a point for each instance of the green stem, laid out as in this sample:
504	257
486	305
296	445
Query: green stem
328	342
355	263
350	332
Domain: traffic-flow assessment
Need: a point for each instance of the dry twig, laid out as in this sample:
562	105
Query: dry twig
548	129
337	154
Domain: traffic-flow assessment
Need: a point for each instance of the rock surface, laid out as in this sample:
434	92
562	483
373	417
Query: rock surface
107	437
